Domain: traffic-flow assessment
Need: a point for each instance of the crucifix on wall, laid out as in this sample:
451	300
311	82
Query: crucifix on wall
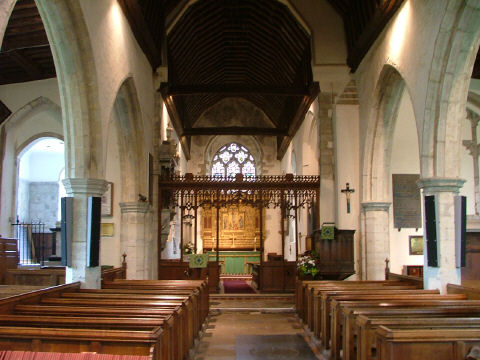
347	191
473	147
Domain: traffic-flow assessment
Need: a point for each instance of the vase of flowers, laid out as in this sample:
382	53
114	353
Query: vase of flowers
307	266
188	249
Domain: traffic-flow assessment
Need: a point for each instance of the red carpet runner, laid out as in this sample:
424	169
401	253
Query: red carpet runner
237	287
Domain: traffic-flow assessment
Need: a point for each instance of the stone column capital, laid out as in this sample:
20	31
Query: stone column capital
437	184
135	207
473	116
376	205
83	186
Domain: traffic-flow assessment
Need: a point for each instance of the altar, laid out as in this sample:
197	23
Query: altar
235	262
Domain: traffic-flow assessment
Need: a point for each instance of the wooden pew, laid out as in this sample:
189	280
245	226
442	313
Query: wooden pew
324	298
309	287
123	306
173	311
185	313
416	312
420	344
71	322
314	295
344	314
200	285
198	306
366	326
65	340
321	299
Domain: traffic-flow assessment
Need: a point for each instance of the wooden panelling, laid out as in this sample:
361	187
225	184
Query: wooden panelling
336	256
8	257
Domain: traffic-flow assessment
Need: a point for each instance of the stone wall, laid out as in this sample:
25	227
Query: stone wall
43	205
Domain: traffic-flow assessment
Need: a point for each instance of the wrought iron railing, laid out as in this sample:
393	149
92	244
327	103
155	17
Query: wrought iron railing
34	244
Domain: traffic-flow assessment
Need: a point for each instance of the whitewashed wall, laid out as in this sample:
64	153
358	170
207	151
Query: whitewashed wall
404	160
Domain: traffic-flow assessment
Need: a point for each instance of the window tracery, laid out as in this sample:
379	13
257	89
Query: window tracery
233	159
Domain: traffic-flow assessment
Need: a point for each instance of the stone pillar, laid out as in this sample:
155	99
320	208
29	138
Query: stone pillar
444	190
80	189
136	240
376	239
327	206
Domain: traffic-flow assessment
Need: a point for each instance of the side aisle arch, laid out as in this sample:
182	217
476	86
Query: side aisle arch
72	53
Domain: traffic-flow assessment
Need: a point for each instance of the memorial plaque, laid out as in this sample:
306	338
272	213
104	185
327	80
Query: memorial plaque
406	201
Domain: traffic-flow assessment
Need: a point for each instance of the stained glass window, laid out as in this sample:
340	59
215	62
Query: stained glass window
233	159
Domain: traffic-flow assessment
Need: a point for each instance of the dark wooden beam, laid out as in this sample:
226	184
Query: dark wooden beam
476	67
234	130
177	123
371	31
141	31
4	112
30	67
297	120
19	41
233	90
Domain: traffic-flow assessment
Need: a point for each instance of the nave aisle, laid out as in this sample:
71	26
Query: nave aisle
251	327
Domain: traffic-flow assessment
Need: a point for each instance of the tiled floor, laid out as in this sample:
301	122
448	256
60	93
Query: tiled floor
233	317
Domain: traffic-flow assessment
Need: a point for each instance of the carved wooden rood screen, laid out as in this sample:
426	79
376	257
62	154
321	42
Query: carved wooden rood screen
190	193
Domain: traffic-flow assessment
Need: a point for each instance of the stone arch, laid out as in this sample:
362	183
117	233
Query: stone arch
129	126
35	138
17	135
250	142
73	57
38	105
6	8
379	135
456	47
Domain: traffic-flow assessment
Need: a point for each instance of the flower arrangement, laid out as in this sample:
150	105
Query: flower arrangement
188	248
308	265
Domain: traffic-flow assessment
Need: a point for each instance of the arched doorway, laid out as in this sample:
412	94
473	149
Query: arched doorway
41	169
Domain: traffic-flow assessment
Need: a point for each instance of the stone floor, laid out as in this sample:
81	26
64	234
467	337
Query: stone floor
251	327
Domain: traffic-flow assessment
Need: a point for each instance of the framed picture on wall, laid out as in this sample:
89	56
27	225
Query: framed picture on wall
415	244
107	201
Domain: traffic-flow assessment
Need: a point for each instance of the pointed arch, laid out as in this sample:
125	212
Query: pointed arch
128	123
379	136
18	131
6	8
38	105
456	47
77	81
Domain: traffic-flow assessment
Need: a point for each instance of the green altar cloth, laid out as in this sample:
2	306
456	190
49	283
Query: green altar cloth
235	262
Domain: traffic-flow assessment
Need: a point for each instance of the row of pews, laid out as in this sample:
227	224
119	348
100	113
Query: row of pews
388	320
155	319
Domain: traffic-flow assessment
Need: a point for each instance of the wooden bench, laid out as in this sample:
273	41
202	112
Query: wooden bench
344	315
43	339
324	298
366	326
185	311
150	285
160	295
72	322
315	290
309	287
420	344
176	315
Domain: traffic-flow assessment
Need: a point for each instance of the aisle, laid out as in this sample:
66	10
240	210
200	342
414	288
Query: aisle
253	327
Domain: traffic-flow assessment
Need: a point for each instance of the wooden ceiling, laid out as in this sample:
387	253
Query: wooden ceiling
239	48
25	54
251	49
